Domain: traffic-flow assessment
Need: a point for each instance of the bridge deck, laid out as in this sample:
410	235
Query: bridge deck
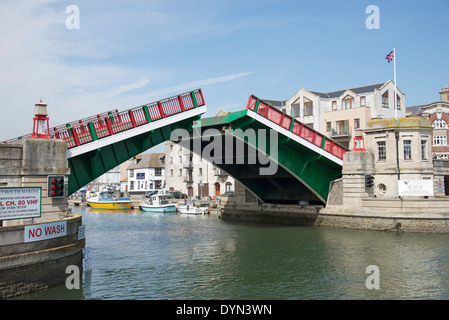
308	161
98	143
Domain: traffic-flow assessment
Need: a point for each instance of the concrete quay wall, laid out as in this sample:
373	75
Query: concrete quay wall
29	266
388	214
376	220
26	267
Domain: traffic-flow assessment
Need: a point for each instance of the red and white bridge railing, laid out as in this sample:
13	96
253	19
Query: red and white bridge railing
296	127
105	124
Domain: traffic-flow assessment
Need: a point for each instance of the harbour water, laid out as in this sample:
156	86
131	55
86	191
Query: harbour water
136	255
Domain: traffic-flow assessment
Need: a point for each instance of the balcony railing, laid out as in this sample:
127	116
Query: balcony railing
188	165
340	132
340	107
219	172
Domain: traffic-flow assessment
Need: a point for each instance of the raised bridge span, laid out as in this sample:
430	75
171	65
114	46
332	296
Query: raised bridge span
295	164
99	143
305	160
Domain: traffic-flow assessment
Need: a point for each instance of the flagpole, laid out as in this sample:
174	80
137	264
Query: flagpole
395	86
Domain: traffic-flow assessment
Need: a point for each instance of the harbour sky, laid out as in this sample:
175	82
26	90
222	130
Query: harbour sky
86	57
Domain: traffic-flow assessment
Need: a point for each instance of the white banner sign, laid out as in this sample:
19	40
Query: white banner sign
20	203
415	187
45	231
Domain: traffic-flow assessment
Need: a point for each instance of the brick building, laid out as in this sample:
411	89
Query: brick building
438	114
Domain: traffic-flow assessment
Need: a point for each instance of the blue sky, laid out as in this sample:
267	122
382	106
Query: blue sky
127	53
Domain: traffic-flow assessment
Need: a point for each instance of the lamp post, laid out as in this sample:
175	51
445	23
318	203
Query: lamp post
40	121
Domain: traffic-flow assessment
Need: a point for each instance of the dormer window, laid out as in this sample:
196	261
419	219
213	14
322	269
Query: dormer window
439	124
348	102
385	100
308	108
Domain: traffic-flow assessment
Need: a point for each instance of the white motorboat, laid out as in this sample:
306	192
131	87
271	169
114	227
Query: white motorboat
158	203
190	209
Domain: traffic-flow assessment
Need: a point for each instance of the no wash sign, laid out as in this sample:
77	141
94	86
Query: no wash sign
45	231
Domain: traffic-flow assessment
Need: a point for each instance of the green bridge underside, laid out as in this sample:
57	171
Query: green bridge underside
302	175
89	166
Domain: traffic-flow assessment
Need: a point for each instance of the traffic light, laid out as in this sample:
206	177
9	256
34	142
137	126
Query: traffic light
369	181
56	187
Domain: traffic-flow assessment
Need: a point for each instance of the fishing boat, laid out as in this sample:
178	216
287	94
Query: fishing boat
158	203
106	200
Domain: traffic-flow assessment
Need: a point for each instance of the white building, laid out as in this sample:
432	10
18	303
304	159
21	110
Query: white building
191	174
146	173
339	113
108	179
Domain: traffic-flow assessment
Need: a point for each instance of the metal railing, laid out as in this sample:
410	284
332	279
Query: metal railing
301	130
105	124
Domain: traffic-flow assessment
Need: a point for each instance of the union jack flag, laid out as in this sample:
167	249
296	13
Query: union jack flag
390	56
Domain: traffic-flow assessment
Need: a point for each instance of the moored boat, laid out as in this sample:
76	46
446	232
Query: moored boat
159	204
106	200
190	209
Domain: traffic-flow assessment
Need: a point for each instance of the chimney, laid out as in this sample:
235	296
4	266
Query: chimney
445	94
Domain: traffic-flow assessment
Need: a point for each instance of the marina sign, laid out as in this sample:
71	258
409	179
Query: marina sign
20	203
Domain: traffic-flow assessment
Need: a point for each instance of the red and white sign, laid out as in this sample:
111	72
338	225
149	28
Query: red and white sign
45	231
20	203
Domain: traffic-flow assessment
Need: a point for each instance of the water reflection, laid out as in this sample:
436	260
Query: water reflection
136	255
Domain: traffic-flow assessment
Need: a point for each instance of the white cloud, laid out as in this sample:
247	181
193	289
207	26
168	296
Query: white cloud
82	72
197	84
130	87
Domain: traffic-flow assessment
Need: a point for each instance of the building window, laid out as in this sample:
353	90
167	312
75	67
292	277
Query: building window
439	124
362	101
423	150
328	126
131	173
439	140
308	108
171	172
398	102
201	171
343	127
385	100
295	110
407	149
356	123
158	171
381	151
334	105
228	187
348	102
180	173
